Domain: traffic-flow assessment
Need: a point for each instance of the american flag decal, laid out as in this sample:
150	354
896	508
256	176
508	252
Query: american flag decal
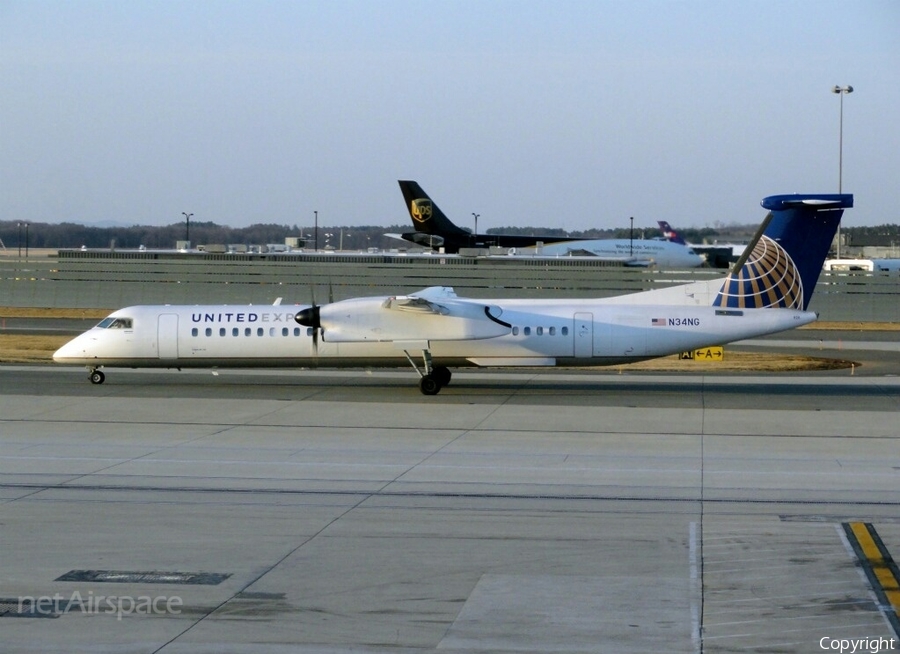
659	322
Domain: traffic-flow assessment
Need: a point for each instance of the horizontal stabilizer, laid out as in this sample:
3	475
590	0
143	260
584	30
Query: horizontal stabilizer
834	200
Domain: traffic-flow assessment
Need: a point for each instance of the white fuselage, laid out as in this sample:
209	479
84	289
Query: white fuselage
663	254
526	333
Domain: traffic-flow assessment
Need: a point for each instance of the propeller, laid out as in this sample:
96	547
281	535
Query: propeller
310	317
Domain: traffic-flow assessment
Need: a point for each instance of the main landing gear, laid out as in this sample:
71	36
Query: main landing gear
96	376
433	378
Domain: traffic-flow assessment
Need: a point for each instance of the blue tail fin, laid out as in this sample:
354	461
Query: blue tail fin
781	265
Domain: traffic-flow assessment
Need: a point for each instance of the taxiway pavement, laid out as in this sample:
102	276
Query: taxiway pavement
339	511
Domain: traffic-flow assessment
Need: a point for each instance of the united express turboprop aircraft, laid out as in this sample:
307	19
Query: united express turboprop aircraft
435	230
768	291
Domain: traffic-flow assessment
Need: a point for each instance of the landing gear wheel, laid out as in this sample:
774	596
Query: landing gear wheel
442	374
97	377
429	385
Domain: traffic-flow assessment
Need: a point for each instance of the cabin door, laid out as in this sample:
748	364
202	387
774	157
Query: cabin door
167	336
584	335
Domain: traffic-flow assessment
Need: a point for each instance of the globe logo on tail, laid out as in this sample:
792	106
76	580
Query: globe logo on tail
769	278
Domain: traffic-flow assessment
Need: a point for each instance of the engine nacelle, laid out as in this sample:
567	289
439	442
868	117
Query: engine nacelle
407	319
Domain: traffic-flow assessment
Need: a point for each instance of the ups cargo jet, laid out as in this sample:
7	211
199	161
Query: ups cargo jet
435	230
434	330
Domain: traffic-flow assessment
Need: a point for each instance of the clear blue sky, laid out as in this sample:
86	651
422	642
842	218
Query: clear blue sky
573	114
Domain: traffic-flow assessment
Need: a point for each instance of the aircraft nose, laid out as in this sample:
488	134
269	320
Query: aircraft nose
63	353
74	349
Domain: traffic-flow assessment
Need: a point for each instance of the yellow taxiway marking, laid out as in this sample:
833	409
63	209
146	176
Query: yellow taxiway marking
879	561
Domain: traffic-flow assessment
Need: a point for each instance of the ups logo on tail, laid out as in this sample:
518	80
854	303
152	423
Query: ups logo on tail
421	210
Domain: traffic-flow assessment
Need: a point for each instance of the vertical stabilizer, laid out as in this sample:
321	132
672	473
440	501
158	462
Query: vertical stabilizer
782	264
426	215
670	234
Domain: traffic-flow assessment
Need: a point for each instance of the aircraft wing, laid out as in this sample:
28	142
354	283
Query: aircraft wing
443	301
434	314
419	238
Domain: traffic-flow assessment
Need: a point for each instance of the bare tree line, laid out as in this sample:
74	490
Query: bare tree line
73	235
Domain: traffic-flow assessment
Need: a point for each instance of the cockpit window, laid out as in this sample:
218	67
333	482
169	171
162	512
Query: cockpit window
115	323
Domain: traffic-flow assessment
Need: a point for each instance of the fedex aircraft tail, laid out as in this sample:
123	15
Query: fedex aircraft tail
781	265
670	234
426	215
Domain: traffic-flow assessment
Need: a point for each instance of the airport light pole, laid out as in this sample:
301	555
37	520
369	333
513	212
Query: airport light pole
841	91
475	235
316	230
631	238
187	225
19	238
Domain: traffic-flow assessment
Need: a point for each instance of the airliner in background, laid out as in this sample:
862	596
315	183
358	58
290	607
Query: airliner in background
669	233
636	252
435	230
434	330
717	255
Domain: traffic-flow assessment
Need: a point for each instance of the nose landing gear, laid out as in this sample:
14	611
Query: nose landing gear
96	376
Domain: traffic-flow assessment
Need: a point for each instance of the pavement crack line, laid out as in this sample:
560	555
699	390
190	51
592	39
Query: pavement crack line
88	475
698	635
262	574
463	433
321	531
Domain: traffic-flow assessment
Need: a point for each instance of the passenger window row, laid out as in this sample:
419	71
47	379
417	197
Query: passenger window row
540	331
249	331
286	331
